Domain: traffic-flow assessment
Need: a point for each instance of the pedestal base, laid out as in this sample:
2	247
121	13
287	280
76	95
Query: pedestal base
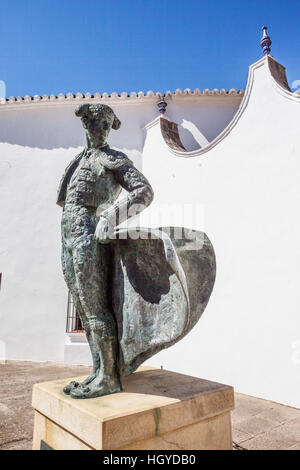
158	409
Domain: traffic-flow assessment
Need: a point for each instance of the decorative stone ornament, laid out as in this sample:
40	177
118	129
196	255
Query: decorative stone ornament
162	105
265	42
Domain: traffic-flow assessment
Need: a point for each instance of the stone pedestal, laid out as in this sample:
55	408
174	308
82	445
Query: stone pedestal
158	409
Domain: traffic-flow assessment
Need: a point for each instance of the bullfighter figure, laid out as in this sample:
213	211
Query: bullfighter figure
134	297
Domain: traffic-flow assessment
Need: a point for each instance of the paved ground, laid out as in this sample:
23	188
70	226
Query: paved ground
265	425
257	424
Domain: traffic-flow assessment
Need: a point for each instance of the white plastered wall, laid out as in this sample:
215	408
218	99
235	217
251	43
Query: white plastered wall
37	141
248	183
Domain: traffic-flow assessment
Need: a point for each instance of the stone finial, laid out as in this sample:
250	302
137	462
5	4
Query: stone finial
162	105
265	42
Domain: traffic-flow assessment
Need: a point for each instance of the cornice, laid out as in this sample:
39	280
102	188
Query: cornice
20	102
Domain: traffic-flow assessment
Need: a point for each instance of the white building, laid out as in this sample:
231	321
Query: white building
236	155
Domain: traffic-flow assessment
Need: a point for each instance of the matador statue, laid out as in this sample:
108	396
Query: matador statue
134	295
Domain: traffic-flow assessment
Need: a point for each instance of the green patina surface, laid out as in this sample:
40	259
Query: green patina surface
134	296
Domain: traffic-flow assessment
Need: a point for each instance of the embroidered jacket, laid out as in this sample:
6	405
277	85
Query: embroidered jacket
95	177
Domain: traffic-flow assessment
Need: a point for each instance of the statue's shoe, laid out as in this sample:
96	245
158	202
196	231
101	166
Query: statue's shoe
71	386
96	390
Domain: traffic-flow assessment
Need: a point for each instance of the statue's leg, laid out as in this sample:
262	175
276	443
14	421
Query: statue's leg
92	263
70	278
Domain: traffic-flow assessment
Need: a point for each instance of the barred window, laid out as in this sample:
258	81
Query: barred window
73	321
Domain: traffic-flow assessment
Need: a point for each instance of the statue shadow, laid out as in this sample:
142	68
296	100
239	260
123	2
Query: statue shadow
168	384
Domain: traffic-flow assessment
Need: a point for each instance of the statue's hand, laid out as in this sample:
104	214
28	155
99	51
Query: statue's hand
103	231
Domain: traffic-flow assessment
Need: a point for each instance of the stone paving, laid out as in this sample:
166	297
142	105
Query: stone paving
264	425
257	424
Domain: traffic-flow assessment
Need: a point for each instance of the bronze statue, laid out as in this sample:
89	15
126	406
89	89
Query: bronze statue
134	296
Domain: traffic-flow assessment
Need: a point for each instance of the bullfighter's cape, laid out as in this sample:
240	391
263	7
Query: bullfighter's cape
162	281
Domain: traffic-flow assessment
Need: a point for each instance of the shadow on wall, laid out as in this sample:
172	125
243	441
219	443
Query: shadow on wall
199	124
57	127
41	128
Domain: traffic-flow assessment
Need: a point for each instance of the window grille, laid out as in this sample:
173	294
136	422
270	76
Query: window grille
73	320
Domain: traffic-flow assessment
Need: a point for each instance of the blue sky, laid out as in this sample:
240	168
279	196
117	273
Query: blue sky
132	45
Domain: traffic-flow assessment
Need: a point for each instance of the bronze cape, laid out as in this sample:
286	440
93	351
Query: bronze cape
160	289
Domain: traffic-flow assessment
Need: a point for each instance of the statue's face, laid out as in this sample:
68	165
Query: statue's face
97	128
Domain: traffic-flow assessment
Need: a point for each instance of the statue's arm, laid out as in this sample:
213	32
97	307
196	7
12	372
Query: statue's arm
140	196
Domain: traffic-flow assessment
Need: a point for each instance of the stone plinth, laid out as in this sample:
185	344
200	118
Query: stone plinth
158	409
